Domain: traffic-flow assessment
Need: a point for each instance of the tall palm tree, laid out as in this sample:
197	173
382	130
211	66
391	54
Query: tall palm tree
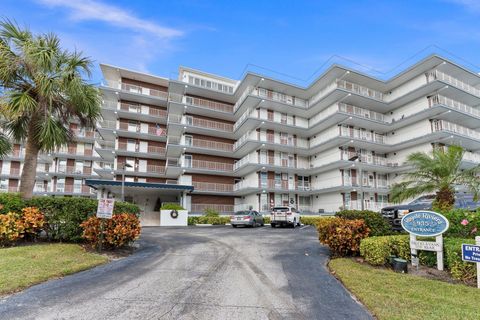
439	172
42	90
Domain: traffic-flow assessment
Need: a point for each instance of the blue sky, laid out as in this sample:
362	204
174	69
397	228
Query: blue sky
290	40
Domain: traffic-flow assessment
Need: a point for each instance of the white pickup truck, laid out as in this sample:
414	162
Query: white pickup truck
284	216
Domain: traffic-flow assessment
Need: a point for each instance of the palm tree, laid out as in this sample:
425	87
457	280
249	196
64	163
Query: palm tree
42	90
439	172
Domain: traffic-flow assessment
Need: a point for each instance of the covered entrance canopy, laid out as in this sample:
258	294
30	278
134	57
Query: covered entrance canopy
148	196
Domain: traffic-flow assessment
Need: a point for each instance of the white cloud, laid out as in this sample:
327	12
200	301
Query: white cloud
471	5
97	11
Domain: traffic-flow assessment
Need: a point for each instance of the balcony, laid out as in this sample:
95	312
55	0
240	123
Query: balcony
160	151
221	208
278	139
212	187
367	158
210	145
201	123
150	168
208	165
132	88
80	133
367	183
272	184
144	110
362	135
442	125
438	75
441	100
272	96
361	112
358	89
9	189
368	205
74	170
76	189
208	104
255	158
471	157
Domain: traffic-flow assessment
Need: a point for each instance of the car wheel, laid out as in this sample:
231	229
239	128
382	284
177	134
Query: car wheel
272	225
294	224
234	225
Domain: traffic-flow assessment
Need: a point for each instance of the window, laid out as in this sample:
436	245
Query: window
188	140
188	161
132	126
79	167
60	184
6	167
77	185
3	184
62	166
131	145
130	164
263	179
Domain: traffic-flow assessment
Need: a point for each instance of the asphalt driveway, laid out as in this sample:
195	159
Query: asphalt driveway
199	273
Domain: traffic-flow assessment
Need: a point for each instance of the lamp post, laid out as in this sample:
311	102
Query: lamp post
125	165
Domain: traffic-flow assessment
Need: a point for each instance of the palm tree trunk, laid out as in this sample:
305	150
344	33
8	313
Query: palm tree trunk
27	180
445	199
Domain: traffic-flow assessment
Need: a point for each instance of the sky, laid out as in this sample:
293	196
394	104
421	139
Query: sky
292	41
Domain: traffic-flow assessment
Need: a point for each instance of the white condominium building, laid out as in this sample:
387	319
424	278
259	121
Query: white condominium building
206	141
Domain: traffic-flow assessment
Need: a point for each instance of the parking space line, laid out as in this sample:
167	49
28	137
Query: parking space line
304	227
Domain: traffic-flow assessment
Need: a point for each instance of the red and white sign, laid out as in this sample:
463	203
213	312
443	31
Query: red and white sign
105	208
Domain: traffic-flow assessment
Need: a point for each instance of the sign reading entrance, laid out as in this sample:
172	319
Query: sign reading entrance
105	208
471	253
426	224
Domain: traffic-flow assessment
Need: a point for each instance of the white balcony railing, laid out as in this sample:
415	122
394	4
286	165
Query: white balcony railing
212	186
208	104
211	145
132	88
438	75
208	165
154	112
442	125
438	99
358	89
368	205
279	139
255	158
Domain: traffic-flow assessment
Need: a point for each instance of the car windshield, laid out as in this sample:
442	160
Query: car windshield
280	209
242	213
424	199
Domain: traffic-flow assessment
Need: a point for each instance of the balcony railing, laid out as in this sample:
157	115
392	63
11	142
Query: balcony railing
358	89
438	75
138	89
254	158
274	185
83	133
376	183
74	170
136	148
367	158
172	162
212	186
278	139
154	112
209	124
208	165
161	132
361	112
442	125
208	104
212	145
471	157
368	205
362	135
221	208
9	189
438	99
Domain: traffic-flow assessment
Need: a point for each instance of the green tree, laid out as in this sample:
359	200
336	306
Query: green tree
42	89
439	172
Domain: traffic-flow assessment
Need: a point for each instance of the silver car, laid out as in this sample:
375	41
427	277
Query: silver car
248	218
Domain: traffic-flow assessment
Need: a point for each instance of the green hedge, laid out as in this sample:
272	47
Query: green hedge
376	223
208	220
171	206
63	214
457	229
311	220
377	251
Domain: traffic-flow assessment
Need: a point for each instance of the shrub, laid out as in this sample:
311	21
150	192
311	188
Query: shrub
208	220
11	202
10	228
211	213
119	231
171	206
459	269
376	223
32	222
463	223
311	220
377	250
342	236
64	215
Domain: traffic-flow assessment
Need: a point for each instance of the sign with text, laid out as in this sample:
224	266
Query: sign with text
425	223
471	253
105	208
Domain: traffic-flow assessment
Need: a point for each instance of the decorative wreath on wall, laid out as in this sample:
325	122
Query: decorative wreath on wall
174	214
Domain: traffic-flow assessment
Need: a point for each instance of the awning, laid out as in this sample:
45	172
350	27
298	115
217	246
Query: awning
97	183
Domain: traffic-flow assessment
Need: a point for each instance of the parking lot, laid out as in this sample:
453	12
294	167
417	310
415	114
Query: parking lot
200	273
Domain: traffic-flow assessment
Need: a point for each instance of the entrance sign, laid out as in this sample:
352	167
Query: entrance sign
426	224
105	208
471	253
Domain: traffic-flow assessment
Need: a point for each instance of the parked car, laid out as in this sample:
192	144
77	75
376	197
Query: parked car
247	218
394	214
284	216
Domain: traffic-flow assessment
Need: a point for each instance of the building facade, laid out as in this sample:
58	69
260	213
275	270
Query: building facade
258	142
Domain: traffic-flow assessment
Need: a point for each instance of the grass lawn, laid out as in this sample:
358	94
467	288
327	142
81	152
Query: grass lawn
391	295
24	266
